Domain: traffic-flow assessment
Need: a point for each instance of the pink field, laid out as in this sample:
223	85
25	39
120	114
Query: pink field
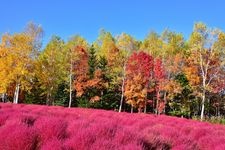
33	127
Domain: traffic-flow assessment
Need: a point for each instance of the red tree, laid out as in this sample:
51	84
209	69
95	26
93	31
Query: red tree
138	73
159	76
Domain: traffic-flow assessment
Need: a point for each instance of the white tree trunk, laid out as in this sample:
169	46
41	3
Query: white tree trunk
16	94
3	97
204	70
70	101
157	104
48	98
145	109
203	105
203	96
123	84
132	109
165	101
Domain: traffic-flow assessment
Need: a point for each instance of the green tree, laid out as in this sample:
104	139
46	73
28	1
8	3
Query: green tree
51	71
152	44
92	62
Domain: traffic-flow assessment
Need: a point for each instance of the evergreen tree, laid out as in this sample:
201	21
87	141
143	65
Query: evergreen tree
92	62
102	63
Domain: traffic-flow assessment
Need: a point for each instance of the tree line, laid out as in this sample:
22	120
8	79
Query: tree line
164	73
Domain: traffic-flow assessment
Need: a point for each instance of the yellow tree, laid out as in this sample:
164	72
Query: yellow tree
152	44
18	48
18	52
106	47
5	68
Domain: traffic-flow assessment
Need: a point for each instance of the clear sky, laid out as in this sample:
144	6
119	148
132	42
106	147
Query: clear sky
86	17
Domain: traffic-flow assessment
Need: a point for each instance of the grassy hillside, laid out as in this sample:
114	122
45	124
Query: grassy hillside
29	127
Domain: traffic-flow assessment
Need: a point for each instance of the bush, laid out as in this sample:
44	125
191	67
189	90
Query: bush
17	137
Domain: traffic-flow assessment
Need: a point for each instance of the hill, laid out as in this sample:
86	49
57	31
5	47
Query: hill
28	127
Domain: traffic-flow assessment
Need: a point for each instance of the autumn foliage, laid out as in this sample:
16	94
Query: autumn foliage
80	71
144	75
138	73
162	74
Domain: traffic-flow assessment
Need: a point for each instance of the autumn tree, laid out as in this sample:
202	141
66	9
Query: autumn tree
138	73
172	55
17	57
152	44
90	76
205	53
81	71
106	47
4	67
71	57
127	45
158	79
18	49
36	33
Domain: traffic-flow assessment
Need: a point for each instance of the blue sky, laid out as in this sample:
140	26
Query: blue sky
86	17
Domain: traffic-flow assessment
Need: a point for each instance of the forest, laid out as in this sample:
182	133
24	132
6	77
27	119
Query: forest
164	73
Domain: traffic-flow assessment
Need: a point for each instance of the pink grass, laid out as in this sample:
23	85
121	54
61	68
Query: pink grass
28	127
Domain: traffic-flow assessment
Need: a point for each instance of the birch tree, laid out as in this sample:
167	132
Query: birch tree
206	55
72	56
127	45
18	48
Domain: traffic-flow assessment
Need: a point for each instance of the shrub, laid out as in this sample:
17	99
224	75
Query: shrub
17	137
49	128
53	144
